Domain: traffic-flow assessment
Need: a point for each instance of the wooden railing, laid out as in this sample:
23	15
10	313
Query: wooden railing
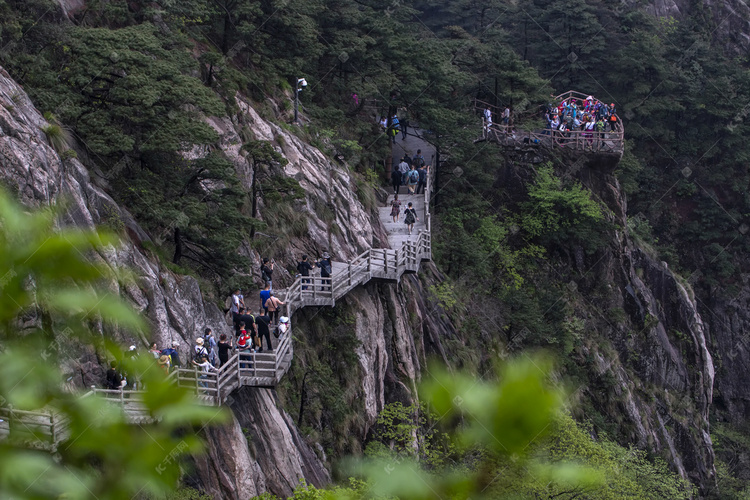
379	263
46	428
578	140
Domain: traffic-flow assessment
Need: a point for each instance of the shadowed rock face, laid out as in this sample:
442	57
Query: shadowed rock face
653	372
731	19
260	450
173	305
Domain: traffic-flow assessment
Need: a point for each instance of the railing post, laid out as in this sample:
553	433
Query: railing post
350	273
369	262
52	428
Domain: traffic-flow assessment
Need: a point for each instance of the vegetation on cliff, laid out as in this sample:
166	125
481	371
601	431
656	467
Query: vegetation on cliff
129	80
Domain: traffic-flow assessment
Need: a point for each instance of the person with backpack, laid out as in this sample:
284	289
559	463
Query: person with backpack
396	178
283	326
325	269
304	267
612	117
266	272
418	159
199	350
174	356
411	217
395	127
273	304
422	179
210	344
261	323
115	381
413	179
395	208
245	343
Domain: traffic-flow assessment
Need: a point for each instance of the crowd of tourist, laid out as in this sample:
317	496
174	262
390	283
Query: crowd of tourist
587	115
252	333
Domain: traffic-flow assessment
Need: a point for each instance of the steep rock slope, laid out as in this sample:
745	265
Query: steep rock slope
173	304
261	449
646	347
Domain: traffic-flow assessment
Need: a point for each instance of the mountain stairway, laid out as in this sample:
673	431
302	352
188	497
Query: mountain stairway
47	429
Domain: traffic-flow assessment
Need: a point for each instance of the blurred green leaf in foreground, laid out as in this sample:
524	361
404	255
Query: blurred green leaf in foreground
56	298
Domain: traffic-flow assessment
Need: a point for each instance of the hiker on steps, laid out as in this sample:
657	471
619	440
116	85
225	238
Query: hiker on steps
404	168
325	270
223	347
199	350
422	178
174	356
411	217
261	323
304	267
115	381
266	272
238	302
206	368
413	179
245	343
395	208
210	344
273	304
396	178
265	294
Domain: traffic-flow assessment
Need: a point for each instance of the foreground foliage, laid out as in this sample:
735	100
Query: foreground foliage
53	302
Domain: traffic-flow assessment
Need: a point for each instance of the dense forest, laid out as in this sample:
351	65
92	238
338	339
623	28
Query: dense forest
125	86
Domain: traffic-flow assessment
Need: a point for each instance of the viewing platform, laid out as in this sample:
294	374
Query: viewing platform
589	141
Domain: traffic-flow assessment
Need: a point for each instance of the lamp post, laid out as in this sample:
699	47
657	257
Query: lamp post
301	84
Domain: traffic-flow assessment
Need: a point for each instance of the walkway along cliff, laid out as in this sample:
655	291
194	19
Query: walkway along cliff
653	372
252	369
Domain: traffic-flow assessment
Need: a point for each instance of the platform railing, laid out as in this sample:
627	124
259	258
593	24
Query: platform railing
612	141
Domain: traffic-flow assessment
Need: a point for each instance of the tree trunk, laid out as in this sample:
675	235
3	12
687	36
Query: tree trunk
177	246
254	191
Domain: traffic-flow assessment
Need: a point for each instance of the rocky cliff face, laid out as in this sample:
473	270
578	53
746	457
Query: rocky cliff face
653	371
172	303
646	340
727	20
261	449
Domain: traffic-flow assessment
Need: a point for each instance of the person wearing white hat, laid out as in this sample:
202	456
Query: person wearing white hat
200	351
283	326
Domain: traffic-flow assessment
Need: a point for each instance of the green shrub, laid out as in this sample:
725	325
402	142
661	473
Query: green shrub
58	137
